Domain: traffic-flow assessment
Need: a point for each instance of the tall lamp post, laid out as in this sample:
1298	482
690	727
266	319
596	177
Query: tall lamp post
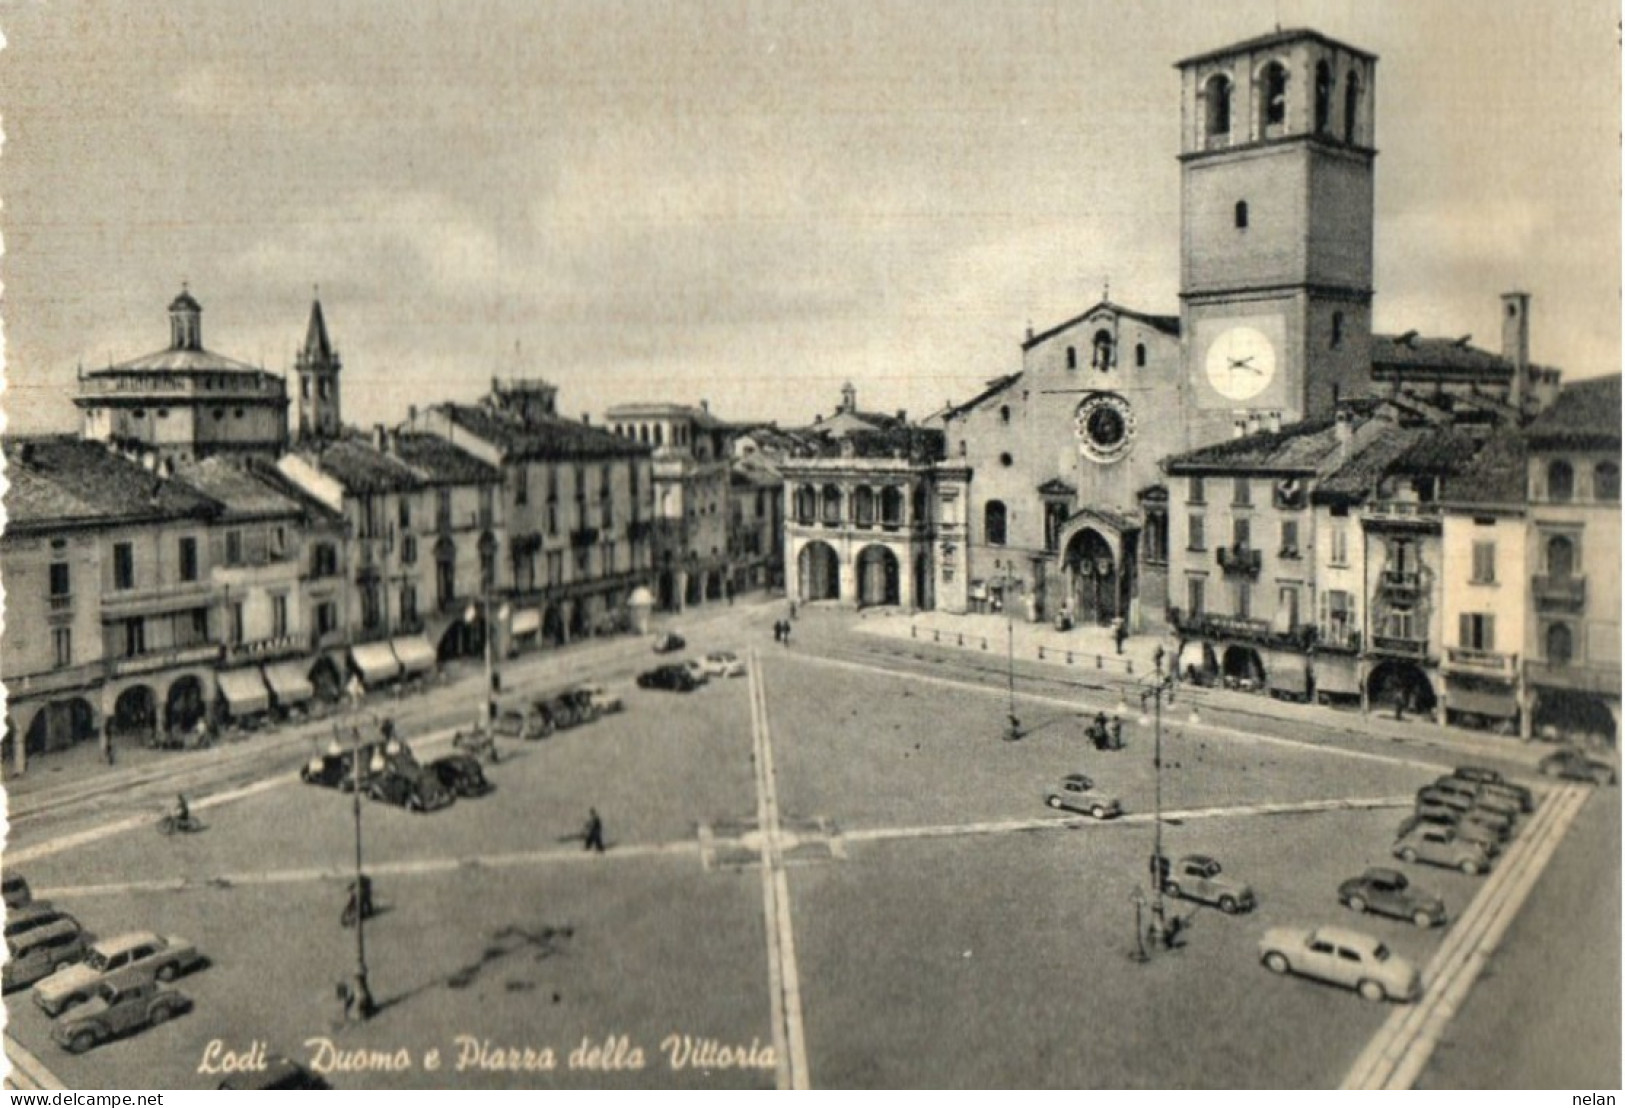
365	1007
476	610
1154	691
1012	727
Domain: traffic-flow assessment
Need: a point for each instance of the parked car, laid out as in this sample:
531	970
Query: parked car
1498	818
568	709
116	1010
724	663
696	669
280	1072
411	787
16	892
461	775
1343	957
31	916
1198	877
1387	892
1488	839
676	678
668	641
1494	780
1076	792
1496	825
528	722
42	952
1441	846
1575	765
606	702
1479	795
334	769
132	957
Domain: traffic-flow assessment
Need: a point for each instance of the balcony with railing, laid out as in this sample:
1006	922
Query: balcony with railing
1401	583
59	603
1240	560
1338	637
1567	592
182	594
1411	515
1487	663
165	658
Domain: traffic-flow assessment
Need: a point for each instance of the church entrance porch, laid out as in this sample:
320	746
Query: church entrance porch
1097	566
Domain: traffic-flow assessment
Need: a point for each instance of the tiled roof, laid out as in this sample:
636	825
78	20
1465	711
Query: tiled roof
1415	451
916	444
314	509
58	483
699	416
438	462
360	467
1298	448
1437	358
1498	473
240	492
180	361
1585	415
541	438
1167	324
994	387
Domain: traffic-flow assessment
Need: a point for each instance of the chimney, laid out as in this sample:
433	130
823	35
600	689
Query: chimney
1515	343
705	406
902	415
412	414
1275	421
379	441
586	419
392	441
1345	433
1240	429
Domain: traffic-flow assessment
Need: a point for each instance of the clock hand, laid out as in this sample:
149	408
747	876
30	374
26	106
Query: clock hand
1242	363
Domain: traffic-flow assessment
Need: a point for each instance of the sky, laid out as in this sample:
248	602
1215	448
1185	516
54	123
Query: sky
743	202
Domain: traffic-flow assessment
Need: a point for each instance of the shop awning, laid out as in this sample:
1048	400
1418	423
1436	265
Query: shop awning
1484	702
375	662
1337	673
289	683
244	691
415	653
1287	671
527	621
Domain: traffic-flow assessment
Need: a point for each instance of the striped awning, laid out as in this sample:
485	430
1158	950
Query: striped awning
289	683
527	621
415	653
244	690
1337	673
375	662
1287	671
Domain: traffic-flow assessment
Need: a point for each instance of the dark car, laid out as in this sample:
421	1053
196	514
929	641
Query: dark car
16	890
279	1073
1573	765
1494	780
31	917
118	1010
411	787
461	774
1390	893
334	769
676	678
669	641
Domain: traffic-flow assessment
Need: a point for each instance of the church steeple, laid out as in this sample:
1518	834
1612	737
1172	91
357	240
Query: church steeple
317	366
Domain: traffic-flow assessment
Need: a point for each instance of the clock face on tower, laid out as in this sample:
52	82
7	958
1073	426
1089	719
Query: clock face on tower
1240	362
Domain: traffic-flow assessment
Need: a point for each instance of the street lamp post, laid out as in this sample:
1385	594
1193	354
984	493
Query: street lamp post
1154	690
364	1004
488	702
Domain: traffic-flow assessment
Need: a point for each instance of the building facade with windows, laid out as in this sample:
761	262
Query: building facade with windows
1572	562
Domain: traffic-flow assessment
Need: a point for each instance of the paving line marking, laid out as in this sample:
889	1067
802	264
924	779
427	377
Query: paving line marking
784	977
707	842
1077	705
1399	1051
27	1071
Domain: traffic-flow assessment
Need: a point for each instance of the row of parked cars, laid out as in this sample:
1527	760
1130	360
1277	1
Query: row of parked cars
94	990
387	771
1461	821
689	675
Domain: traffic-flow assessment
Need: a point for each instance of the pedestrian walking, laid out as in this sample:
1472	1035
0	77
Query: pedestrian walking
593	835
778	630
1119	633
787	634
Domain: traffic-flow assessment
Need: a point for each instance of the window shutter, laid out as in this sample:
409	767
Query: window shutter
1466	630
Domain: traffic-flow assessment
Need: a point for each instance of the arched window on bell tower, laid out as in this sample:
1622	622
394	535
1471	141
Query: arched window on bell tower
1323	97
1216	102
1351	108
1272	100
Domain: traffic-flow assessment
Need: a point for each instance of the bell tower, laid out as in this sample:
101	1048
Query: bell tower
1277	158
317	367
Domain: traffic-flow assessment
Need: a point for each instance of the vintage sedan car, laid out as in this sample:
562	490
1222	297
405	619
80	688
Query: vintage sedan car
1343	957
280	1072
115	1011
600	698
335	768
33	915
1496	826
1479	795
724	663
1387	892
1441	846
696	669
42	952
1075	792
1495	781
668	641
528	722
132	957
411	787
676	678
461	775
1484	837
1575	765
1434	797
1198	877
14	889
